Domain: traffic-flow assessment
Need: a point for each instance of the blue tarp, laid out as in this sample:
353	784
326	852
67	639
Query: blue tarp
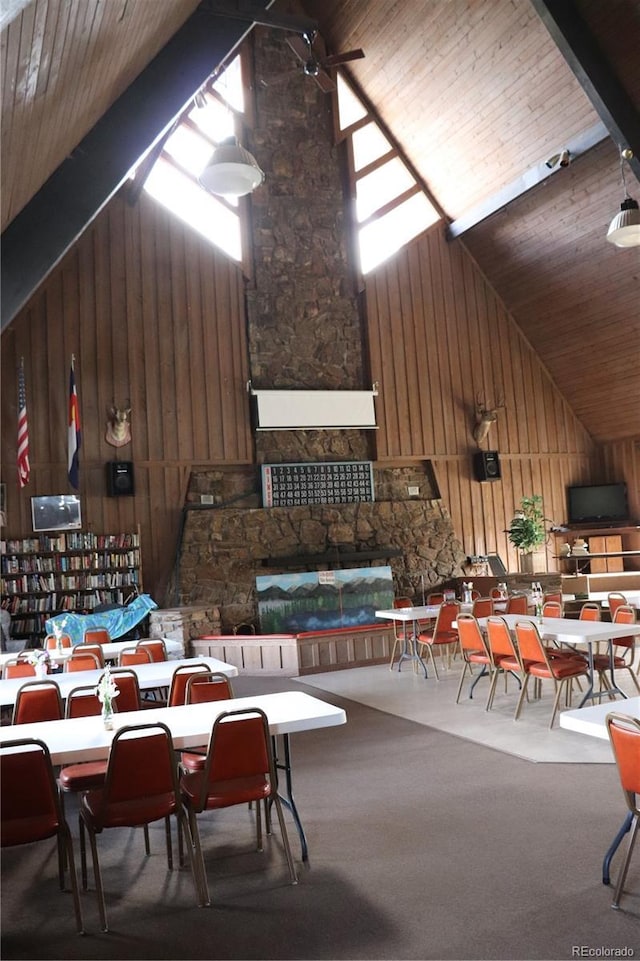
117	622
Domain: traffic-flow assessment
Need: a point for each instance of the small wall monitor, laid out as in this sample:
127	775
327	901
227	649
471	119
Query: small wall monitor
598	504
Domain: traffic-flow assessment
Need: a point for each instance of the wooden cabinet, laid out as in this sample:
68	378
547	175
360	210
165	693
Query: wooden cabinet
75	571
610	544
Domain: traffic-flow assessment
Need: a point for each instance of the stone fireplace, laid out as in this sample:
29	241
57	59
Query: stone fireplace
307	330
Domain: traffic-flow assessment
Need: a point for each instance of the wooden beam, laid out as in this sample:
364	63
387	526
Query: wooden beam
583	54
528	180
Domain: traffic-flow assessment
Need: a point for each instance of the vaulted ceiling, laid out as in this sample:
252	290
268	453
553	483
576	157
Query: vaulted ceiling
479	94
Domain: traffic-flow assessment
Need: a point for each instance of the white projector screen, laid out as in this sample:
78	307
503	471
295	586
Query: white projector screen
314	409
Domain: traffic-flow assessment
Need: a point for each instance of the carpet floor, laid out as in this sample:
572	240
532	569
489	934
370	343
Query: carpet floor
422	845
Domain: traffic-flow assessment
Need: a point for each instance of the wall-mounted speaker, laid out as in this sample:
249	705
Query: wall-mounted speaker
120	478
486	465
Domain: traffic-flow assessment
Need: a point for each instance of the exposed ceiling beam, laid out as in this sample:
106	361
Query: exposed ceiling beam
528	180
254	13
37	239
583	54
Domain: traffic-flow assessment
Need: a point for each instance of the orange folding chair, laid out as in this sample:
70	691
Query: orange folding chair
51	642
134	655
537	663
30	808
83	662
517	604
96	649
178	688
140	787
443	634
157	649
624	735
621	654
96	635
474	650
239	768
204	688
38	701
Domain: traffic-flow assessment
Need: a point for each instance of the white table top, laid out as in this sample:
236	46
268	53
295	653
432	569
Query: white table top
150	676
111	651
572	630
410	613
429	611
632	597
85	739
592	720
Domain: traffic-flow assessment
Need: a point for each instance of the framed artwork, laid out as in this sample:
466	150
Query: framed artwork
315	600
60	512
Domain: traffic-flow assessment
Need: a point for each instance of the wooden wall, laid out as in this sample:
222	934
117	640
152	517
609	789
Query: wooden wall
438	337
156	320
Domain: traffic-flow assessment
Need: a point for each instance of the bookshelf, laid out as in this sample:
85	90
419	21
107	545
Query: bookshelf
72	571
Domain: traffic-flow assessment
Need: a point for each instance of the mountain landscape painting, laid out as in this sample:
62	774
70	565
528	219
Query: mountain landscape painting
322	600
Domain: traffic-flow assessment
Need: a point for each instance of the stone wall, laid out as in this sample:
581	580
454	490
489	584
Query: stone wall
306	330
225	547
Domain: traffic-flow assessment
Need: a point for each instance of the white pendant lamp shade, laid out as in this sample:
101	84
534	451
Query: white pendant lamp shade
232	170
624	230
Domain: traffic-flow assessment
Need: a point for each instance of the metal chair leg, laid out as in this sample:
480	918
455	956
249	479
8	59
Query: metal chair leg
625	866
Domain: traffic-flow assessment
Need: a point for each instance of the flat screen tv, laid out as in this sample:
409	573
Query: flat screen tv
598	504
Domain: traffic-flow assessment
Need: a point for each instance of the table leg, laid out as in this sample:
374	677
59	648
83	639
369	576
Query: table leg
614	689
410	648
615	844
288	799
483	673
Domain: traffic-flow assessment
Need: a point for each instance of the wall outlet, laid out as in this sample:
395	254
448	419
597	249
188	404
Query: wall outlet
414	491
206	498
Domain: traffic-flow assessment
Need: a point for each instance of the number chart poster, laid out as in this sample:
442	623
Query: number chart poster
322	600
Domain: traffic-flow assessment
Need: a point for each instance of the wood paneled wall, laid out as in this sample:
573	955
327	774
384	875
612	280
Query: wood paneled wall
156	320
439	337
621	461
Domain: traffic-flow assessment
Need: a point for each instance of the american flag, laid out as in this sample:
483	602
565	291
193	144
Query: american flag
24	469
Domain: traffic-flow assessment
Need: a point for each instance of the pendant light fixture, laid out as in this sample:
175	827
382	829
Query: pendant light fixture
232	170
624	230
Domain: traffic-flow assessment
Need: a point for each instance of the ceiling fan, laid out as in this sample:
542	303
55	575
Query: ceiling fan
316	64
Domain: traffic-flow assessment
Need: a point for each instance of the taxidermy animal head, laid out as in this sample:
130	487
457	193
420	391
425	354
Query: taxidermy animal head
485	417
118	426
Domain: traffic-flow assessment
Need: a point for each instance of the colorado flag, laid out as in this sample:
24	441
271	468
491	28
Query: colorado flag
75	436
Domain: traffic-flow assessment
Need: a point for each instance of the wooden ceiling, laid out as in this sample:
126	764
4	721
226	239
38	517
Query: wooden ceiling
478	93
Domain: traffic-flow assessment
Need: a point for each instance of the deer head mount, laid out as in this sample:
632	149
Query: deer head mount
485	417
118	426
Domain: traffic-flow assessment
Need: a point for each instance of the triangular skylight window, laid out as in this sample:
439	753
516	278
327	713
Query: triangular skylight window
173	180
391	206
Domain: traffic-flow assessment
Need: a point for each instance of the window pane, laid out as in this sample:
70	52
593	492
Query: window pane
369	143
378	188
382	238
350	108
215	120
189	150
196	207
229	85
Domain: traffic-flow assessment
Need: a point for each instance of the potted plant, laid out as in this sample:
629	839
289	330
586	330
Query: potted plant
527	530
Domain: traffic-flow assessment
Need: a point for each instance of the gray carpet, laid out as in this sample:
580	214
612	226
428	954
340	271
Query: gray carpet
422	846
